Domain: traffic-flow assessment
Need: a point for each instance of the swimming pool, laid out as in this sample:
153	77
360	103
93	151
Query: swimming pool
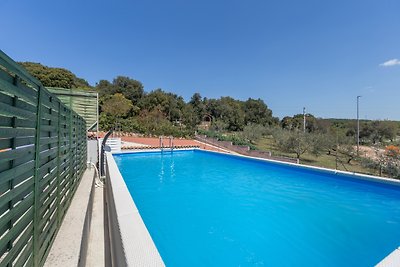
210	209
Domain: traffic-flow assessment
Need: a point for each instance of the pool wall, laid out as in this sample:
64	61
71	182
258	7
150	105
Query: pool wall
130	241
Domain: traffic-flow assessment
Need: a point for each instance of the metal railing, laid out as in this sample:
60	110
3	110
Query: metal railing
42	159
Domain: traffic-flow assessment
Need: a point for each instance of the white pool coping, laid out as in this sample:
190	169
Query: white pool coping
139	248
392	259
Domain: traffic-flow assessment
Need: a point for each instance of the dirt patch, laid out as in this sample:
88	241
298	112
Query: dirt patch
370	152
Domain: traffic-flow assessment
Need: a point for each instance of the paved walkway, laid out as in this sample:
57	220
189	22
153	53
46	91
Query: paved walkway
67	245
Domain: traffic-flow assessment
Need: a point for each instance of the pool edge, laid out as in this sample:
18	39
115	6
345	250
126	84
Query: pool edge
126	224
356	175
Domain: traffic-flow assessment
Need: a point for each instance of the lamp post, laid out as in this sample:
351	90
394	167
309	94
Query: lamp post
358	125
304	120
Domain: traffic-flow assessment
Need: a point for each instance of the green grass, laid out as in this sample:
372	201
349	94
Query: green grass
324	160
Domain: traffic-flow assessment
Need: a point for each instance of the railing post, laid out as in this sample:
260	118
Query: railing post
36	192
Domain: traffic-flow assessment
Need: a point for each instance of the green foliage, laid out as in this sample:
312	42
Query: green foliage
123	100
170	105
228	110
130	88
54	77
253	132
297	123
292	142
198	108
298	142
219	126
257	112
117	105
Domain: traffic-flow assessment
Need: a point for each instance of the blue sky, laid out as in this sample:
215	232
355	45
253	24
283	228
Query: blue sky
316	54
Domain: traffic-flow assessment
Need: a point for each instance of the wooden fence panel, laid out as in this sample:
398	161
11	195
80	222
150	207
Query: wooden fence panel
42	159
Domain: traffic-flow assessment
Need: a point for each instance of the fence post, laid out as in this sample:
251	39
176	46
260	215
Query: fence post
36	192
59	165
71	155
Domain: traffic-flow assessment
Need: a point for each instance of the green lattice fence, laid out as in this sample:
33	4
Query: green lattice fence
42	158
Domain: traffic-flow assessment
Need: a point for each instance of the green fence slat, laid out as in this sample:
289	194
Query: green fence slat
10	174
11	65
24	94
7	132
26	253
50	235
17	211
16	229
19	141
10	195
15	153
17	102
49	140
14	111
19	245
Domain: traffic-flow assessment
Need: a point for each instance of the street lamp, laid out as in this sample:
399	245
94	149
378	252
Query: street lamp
358	126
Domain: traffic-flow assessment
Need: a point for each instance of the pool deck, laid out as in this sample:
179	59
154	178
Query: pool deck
67	247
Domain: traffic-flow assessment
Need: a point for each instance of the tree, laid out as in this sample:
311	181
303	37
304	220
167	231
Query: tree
232	113
218	125
298	142
198	108
292	142
257	112
385	130
169	104
130	88
253	132
104	88
287	123
297	122
378	131
54	77
117	105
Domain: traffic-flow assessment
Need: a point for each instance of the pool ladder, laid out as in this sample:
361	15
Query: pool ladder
171	143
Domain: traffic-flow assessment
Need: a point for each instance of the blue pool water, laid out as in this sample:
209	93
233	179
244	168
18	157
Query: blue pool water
208	209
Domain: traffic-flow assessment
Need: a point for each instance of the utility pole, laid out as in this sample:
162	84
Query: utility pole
304	120
358	126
